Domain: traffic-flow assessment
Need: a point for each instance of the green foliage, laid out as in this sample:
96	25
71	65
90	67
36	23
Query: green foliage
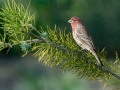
60	49
52	47
16	20
25	47
44	35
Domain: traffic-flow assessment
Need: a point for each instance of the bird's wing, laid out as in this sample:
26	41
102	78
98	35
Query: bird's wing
84	37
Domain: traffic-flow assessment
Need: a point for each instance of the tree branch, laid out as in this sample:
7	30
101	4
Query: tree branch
7	45
70	51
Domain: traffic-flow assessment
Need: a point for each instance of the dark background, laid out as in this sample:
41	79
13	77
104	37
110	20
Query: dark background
101	19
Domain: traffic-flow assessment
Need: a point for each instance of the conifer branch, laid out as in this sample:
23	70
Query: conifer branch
70	51
10	45
111	72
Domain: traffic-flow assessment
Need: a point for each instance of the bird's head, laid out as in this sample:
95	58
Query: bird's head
75	21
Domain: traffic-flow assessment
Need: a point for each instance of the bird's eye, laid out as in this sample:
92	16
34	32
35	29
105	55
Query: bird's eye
74	20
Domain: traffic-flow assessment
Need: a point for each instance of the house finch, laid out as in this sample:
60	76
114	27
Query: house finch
82	37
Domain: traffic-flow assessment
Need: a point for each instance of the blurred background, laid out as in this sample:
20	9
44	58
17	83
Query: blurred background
100	17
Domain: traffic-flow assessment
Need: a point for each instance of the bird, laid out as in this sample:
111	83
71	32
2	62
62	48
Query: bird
82	37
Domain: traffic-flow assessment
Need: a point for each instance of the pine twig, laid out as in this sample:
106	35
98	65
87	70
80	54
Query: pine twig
67	50
7	45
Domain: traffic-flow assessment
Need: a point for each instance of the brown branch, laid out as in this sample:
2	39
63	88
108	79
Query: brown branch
9	45
38	39
70	51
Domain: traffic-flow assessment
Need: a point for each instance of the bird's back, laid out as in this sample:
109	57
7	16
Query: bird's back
82	37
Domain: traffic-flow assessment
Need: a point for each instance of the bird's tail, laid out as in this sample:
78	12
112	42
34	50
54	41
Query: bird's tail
99	61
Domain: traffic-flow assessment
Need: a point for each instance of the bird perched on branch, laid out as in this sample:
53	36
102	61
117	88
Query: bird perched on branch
82	38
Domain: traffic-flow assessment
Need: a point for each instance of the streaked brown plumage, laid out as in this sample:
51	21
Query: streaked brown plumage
82	37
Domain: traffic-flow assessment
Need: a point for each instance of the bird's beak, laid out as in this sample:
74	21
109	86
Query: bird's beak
70	21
